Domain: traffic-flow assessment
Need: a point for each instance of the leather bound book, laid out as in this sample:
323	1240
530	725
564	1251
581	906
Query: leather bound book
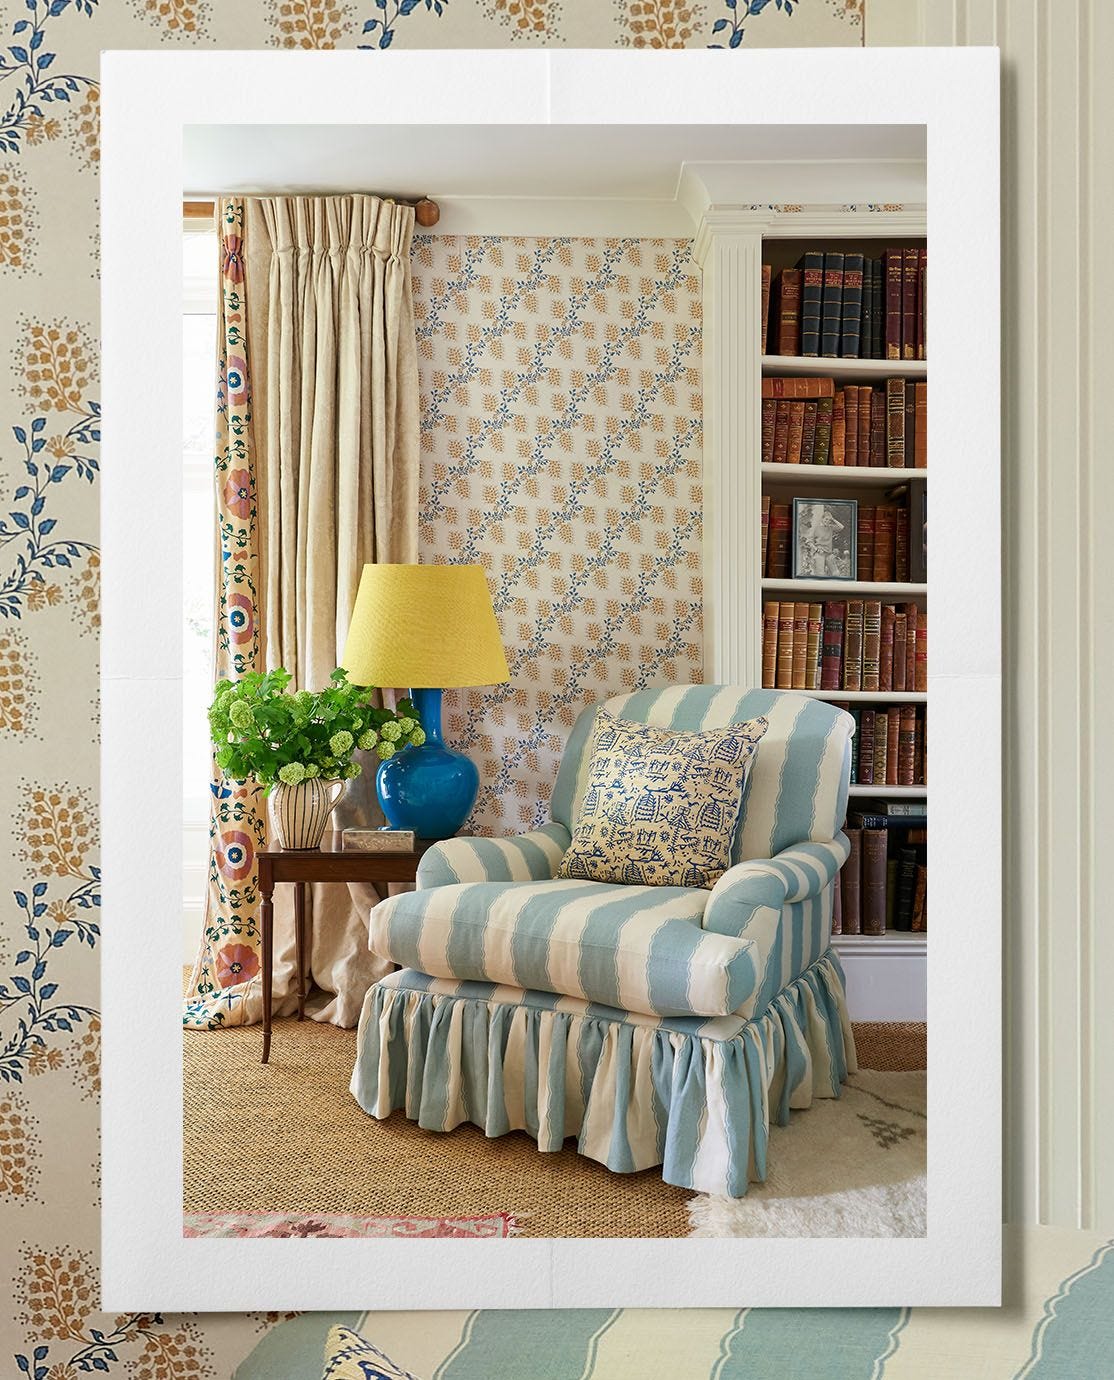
878	324
895	423
864	424
866	319
872	643
891	891
812	654
837	904
784	671
906	888
789	311
873	887
851	408
901	543
881	745
892	267
866	747
877	428
769	414
852	305
920	889
850	876
765	529
770	614
907	745
767	276
781	431
922	288
853	646
920	656
893	735
864	562
781	523
885	535
839	428
831	649
812	286
800	647
796	432
823	449
912	614
910	421
909	304
899	650
808	434
856	738
831	307
920	764
920	425
779	386
886	657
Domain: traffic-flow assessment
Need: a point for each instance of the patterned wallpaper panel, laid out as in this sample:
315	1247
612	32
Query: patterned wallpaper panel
561	449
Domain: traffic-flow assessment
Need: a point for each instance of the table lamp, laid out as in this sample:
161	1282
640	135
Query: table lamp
431	628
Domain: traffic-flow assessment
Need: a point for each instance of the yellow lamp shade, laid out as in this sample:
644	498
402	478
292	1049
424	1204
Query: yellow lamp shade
424	626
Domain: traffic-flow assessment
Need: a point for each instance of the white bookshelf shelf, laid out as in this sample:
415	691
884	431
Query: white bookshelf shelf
829	475
835	588
868	696
860	369
889	792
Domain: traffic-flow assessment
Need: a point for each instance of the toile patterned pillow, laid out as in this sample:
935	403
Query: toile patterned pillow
661	807
348	1356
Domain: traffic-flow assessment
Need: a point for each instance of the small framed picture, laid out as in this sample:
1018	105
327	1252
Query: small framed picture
825	538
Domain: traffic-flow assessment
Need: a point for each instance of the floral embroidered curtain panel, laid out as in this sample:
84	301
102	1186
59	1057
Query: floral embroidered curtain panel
316	474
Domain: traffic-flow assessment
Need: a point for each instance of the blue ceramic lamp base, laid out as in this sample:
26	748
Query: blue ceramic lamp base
430	789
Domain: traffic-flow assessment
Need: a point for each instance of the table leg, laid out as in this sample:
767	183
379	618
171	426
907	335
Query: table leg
266	922
300	944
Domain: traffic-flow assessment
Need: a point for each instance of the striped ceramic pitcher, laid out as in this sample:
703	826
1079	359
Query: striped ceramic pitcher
299	813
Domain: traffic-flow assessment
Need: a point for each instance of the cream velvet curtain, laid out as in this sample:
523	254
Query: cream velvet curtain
319	412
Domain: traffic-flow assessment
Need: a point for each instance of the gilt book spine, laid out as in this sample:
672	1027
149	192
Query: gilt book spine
909	304
912	614
901	543
881	746
852	306
906	888
910	422
899	649
892	267
866	324
796	432
839	429
765	529
884	542
770	616
831	656
864	563
808	434
769	416
878	324
875	843
812	658
920	771
921	656
853	646
781	431
922	288
784	669
866	747
831	307
850	879
781	523
895	423
907	745
864	425
920	425
789	311
920	890
851	408
886	657
823	450
767	275
812	287
783	386
856	740
877	428
872	644
893	742
800	647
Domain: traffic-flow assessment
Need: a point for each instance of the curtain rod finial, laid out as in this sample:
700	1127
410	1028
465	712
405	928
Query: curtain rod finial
427	213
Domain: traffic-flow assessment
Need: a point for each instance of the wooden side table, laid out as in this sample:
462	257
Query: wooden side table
329	863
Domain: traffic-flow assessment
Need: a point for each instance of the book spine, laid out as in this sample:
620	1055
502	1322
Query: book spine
920	889
886	658
864	562
909	304
893	734
823	449
808	434
906	886
895	423
812	657
789	308
767	275
881	746
851	408
899	650
878	341
892	261
850	881
911	616
831	309
784	670
872	644
875	844
796	432
866	747
839	429
922	288
837	904
831	656
920	773
780	526
891	891
852	305
866	323
921	655
884	540
856	739
853	646
781	431
865	392
812	287
769	414
800	647
780	386
770	612
907	745
765	529
877	428
901	544
920	425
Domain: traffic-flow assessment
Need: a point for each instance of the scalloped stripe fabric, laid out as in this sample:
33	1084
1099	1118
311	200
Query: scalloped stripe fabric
348	1356
661	808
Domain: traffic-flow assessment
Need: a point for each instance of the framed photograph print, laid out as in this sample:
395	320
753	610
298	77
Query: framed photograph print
485	346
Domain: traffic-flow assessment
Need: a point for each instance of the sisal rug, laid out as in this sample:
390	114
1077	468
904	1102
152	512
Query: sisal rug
302	1224
852	1166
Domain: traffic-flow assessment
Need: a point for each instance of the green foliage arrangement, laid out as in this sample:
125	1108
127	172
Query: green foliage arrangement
261	731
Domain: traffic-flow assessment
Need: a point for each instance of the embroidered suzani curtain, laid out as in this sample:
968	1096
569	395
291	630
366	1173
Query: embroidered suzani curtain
316	474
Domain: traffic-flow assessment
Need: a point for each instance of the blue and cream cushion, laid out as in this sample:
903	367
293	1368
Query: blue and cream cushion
660	808
635	947
348	1356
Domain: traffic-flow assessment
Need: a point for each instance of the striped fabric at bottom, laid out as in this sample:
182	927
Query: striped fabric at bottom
693	1095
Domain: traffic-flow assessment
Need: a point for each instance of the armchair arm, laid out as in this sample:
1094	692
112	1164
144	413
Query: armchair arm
767	884
525	858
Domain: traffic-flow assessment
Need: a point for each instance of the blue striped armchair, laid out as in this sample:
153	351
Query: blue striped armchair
658	1025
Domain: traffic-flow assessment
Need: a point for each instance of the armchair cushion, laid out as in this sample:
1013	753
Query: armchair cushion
637	948
660	807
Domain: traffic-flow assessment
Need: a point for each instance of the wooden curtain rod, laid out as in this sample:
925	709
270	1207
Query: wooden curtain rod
427	213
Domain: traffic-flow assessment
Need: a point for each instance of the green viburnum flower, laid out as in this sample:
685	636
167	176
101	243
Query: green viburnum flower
240	715
407	725
367	740
391	731
304	699
292	774
312	770
385	749
417	736
353	771
341	742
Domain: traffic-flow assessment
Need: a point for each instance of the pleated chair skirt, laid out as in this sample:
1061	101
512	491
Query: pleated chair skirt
695	1095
